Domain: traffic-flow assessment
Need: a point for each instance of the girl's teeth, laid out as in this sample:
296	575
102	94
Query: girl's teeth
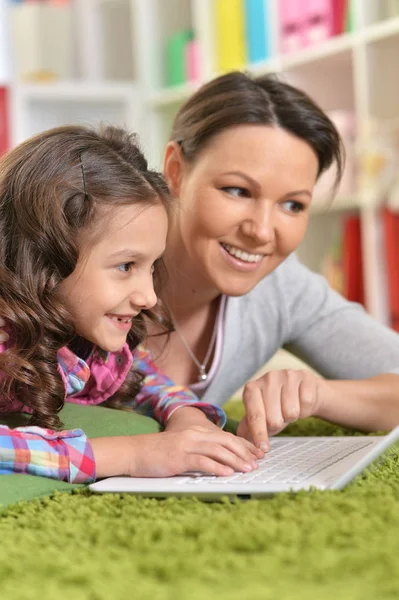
244	256
119	320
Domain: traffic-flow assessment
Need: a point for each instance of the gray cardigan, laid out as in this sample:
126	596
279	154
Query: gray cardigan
295	308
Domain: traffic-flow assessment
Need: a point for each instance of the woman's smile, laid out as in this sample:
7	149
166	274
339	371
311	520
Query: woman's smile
240	259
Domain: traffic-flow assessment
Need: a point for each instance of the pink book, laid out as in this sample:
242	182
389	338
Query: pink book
192	59
291	25
318	21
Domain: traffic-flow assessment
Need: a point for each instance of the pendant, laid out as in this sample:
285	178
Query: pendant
202	374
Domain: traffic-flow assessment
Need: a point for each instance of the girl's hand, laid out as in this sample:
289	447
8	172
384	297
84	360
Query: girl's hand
3	334
172	453
277	399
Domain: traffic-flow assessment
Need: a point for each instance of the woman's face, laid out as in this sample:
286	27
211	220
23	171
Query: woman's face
244	204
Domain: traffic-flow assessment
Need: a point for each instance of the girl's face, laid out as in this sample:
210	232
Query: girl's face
244	203
112	281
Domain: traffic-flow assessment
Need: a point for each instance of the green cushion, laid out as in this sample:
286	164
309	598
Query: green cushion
96	421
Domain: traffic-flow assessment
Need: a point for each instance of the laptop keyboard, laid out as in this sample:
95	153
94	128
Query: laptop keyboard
289	462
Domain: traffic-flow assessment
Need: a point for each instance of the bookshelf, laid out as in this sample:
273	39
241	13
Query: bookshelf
355	72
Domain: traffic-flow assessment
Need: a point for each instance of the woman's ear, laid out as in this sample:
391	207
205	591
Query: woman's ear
173	168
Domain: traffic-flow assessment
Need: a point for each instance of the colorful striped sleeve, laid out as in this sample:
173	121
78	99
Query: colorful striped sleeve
63	455
159	397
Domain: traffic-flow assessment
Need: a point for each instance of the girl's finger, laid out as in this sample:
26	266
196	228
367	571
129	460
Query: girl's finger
206	465
228	458
255	451
244	449
255	413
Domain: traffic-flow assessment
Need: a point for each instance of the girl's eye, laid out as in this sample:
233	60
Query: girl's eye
294	206
125	267
238	192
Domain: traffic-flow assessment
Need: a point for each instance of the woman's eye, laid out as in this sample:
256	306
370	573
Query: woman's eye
238	192
294	206
125	267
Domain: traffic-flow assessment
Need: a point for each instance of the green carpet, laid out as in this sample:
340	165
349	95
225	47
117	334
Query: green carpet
307	546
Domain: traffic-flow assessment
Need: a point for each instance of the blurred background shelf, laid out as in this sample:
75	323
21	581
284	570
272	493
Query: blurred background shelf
134	62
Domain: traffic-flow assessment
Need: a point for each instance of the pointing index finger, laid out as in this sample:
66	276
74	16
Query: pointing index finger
255	414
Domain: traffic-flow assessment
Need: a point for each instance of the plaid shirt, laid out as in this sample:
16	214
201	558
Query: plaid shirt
67	455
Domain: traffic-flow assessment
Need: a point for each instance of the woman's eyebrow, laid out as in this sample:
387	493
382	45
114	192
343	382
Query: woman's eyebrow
249	179
257	186
297	192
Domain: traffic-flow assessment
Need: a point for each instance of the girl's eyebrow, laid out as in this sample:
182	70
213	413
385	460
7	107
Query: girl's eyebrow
126	252
130	254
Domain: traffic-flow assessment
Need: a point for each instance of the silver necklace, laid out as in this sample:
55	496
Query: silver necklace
202	375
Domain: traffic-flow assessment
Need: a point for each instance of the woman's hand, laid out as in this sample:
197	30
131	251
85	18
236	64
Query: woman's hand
173	452
3	334
277	399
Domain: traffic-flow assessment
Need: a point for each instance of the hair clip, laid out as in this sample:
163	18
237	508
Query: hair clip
83	178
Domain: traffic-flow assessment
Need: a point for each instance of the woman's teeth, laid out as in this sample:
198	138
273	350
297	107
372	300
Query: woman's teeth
120	319
244	256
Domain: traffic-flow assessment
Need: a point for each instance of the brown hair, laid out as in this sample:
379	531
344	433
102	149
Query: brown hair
239	99
50	188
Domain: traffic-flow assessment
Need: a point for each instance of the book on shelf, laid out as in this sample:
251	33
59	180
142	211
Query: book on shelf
257	29
230	35
304	24
342	264
4	125
391	231
352	259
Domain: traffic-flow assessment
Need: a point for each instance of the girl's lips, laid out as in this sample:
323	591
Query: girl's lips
240	265
121	325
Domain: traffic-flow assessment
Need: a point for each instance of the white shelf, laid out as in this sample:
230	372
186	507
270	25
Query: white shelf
325	50
76	90
172	95
380	31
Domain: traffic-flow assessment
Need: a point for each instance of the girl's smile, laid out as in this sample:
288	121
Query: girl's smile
113	280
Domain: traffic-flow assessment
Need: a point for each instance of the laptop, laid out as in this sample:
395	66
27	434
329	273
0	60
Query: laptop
292	464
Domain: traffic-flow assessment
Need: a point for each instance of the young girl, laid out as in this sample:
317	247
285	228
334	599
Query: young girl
83	225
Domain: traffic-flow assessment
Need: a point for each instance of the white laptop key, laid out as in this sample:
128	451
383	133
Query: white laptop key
292	464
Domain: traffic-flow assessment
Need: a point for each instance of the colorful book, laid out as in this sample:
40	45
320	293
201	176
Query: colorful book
176	57
391	230
318	21
291	20
4	125
352	260
257	30
230	35
340	11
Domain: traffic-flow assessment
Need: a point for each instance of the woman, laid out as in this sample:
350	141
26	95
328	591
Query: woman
243	158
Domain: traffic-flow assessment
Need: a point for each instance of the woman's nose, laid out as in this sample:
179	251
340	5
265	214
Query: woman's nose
261	226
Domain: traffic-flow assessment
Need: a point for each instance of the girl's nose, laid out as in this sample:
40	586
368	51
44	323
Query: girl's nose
144	296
